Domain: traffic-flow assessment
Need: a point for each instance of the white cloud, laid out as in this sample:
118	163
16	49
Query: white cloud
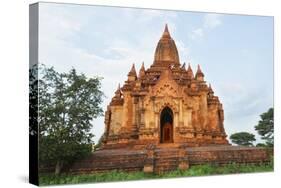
197	33
212	21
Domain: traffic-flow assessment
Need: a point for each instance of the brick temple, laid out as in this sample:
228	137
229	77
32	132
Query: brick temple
165	118
165	103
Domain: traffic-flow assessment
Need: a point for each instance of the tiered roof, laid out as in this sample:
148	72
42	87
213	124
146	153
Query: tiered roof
165	57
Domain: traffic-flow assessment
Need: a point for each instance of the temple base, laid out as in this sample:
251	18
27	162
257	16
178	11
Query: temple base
161	158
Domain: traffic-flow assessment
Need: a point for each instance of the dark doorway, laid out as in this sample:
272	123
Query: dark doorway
166	125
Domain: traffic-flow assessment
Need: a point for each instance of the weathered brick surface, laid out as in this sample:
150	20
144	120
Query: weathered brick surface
106	160
161	158
227	154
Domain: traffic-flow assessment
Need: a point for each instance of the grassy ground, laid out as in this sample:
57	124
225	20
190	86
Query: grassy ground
200	170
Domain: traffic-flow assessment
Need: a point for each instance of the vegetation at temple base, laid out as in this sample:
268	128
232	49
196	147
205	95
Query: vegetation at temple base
243	138
265	127
68	102
199	170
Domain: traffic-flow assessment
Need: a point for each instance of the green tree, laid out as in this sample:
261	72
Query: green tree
265	127
243	138
261	145
33	101
68	102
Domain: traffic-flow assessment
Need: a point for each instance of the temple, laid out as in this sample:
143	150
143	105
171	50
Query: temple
165	103
165	118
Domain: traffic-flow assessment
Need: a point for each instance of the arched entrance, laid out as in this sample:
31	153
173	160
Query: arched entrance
166	125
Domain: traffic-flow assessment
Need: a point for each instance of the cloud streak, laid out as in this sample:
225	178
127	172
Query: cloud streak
210	21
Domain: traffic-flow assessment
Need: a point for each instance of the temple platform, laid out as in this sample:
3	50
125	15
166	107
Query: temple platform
164	157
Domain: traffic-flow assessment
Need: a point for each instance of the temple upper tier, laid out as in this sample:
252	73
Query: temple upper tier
166	52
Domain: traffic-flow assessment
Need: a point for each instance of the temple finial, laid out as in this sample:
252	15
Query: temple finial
183	66
132	71
142	71
132	75
118	92
199	74
166	33
189	71
166	28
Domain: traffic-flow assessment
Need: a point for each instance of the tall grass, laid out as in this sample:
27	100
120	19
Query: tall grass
199	170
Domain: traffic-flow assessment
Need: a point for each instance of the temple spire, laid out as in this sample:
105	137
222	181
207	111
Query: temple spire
211	92
117	99
132	71
189	71
166	33
142	71
166	28
183	66
118	92
199	74
132	75
166	53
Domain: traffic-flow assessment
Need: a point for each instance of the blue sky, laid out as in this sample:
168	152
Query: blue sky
235	51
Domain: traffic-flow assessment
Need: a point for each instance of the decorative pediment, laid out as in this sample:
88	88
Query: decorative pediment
166	90
166	86
166	102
